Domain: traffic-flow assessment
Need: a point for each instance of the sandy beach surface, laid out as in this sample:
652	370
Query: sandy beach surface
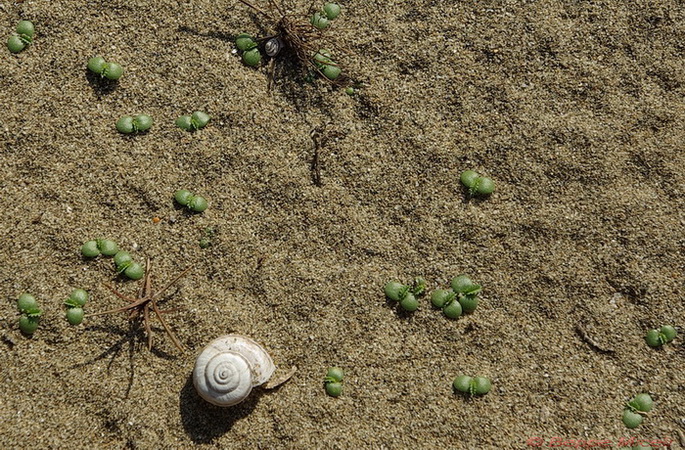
318	198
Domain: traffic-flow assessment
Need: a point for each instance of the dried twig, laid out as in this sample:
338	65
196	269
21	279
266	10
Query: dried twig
139	307
580	328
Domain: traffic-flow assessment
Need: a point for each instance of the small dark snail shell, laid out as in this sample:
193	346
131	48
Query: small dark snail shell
273	46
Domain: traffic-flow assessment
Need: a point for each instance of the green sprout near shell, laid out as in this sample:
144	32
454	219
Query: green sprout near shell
252	57
248	45
477	184
134	124
324	62
321	19
111	71
333	381
24	37
661	336
636	409
472	385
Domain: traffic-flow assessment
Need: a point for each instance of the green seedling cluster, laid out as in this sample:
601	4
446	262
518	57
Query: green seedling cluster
248	45
476	184
661	336
134	124
24	37
193	122
322	19
333	381
75	303
111	71
461	298
125	264
206	241
191	201
30	313
472	385
635	410
326	65
404	294
98	247
122	260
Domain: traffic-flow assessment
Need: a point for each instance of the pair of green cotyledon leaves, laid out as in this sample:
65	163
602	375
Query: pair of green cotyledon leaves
661	336
462	297
635	410
25	33
31	313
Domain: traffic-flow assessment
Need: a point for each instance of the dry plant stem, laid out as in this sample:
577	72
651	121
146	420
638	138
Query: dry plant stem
146	299
277	381
298	37
590	341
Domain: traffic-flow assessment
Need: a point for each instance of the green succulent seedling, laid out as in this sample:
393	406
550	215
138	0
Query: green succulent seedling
193	122
75	315
98	247
193	202
111	71
24	37
639	406
319	20
77	299
252	57
661	336
631	419
324	62
473	386
404	294
28	307
333	381
467	292
448	301
642	403
26	303
245	42
125	264
331	10
29	324
134	124
477	184
206	241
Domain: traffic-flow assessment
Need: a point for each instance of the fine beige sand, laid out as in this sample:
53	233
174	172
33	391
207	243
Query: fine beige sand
576	109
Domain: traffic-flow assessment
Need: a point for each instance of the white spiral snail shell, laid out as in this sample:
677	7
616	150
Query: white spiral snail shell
229	367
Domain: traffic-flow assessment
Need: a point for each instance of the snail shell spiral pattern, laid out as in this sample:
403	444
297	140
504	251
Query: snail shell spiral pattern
229	367
273	46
